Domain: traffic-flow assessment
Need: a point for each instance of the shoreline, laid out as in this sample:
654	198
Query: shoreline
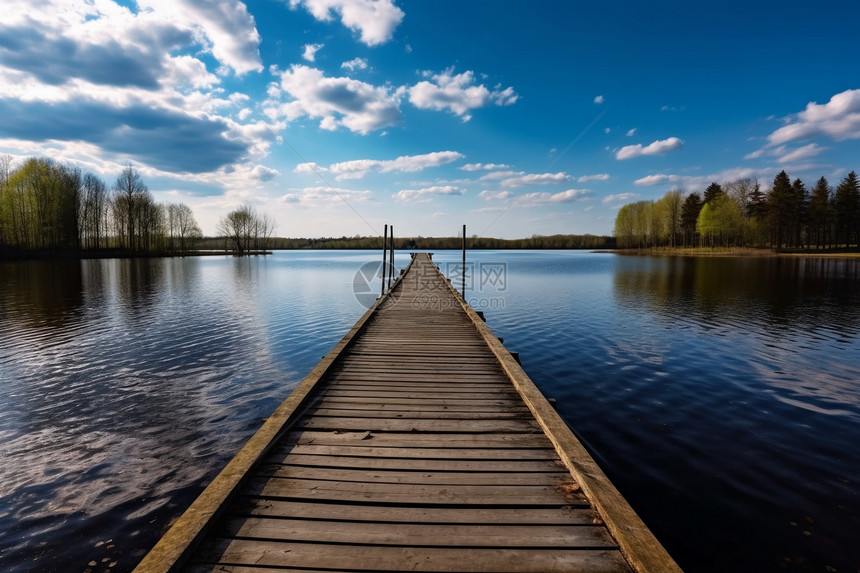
733	252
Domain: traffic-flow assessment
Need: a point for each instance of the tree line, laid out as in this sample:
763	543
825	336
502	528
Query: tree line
740	214
47	206
437	243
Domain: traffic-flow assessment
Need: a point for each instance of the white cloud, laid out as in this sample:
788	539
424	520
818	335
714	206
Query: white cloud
495	195
700	182
355	64
568	196
310	52
336	102
801	153
374	20
309	167
325	195
422	194
230	30
520	179
838	119
656	148
127	82
358	168
458	94
659	179
595	177
631	132
263	173
619	197
598	100
484	166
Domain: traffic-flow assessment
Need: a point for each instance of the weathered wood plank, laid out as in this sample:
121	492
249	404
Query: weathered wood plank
450	441
413	493
408	450
489	479
361	512
417	464
373	558
423	535
389	425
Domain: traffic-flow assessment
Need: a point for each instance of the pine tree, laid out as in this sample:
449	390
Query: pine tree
847	204
799	212
689	216
712	192
819	213
779	209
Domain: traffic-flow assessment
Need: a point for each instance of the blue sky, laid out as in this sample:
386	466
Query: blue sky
514	118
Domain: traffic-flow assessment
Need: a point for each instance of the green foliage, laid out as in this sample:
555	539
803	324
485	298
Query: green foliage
47	207
720	222
739	213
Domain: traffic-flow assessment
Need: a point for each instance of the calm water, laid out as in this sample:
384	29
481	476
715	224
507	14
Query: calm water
722	396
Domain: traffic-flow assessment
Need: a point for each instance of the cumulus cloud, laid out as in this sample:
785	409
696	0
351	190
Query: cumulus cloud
488	195
619	197
355	64
358	168
310	52
325	195
309	167
484	166
374	20
598	100
656	148
702	181
421	195
569	196
595	177
802	153
838	119
336	102
520	179
658	179
100	74
458	94
229	30
263	173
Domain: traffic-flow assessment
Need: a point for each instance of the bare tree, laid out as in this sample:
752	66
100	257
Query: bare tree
245	229
130	196
741	190
182	228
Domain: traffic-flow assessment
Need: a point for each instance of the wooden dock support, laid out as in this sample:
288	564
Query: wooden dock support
418	443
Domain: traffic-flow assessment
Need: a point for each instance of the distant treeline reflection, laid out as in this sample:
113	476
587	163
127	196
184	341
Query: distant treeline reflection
709	291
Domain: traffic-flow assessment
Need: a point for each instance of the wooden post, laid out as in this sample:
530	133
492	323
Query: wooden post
391	257
464	262
384	251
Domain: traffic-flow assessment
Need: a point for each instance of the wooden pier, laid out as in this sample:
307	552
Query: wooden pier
417	444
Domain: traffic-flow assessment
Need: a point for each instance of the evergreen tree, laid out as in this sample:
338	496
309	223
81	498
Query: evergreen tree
819	213
757	205
847	204
779	209
713	191
689	216
800	212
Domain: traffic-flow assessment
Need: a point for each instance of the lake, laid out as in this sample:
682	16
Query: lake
720	395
